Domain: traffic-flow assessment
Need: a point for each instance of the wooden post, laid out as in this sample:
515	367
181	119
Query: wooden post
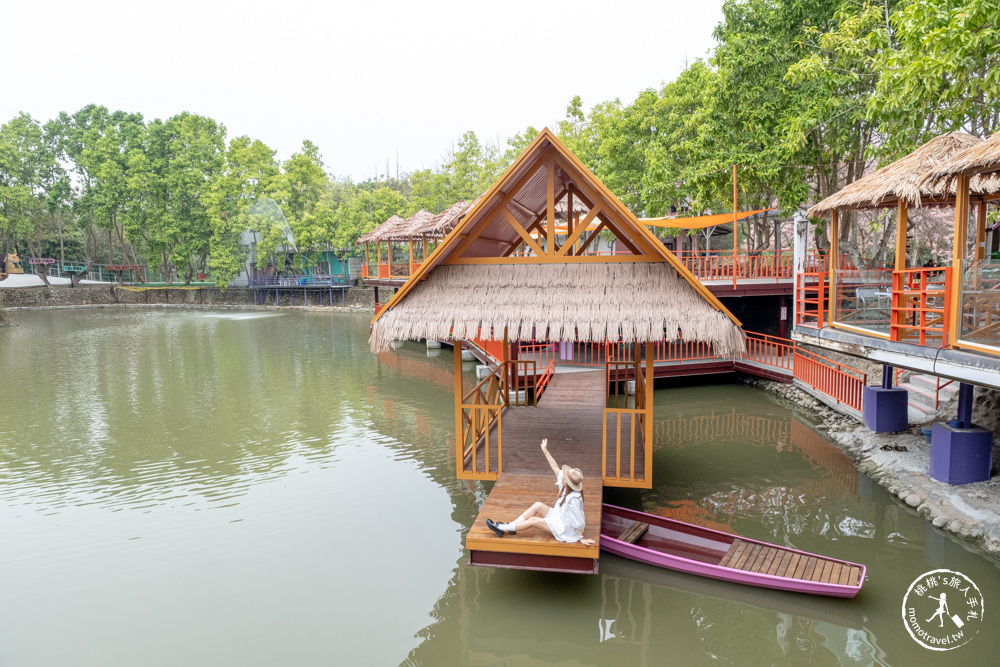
505	370
647	432
388	248
902	222
832	260
459	444
550	203
569	219
734	228
958	255
411	256
423	258
981	231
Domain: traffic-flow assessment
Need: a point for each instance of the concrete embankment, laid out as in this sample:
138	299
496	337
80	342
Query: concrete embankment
900	462
113	295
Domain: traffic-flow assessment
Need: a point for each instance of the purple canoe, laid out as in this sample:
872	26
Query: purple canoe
684	547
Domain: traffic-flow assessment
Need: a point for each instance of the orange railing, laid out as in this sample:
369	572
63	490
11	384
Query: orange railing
721	265
770	350
378	308
364	270
838	381
810	301
632	422
939	384
482	424
921	298
414	266
383	270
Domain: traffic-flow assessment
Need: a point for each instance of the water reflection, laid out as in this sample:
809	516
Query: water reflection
269	489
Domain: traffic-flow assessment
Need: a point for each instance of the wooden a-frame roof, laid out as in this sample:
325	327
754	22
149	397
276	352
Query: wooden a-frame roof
521	205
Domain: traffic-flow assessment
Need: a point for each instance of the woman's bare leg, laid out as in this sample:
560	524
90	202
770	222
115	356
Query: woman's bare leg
532	522
537	509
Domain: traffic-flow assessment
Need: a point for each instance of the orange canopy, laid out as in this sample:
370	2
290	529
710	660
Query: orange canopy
699	221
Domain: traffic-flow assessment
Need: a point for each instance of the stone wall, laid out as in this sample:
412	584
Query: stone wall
88	295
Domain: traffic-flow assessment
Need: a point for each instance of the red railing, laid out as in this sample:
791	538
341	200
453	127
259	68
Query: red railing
810	301
921	298
769	350
383	270
364	270
378	308
838	381
721	265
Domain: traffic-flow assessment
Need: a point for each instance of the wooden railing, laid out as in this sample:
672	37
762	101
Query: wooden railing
481	411
921	299
617	414
383	271
838	381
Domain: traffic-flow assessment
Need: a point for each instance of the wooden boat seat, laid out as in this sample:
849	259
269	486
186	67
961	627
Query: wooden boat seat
784	563
634	532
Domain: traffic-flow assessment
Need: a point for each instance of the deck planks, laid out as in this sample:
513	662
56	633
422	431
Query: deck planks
780	562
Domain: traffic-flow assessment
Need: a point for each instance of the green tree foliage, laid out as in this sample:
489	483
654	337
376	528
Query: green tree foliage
941	74
251	174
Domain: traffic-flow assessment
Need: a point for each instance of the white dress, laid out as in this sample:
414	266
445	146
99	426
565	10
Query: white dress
566	520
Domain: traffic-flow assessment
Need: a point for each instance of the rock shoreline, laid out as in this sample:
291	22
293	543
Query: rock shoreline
970	511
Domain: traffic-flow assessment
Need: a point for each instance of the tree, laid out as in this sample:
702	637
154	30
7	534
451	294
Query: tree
28	172
941	74
251	174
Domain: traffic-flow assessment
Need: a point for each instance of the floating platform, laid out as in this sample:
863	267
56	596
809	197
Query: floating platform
569	415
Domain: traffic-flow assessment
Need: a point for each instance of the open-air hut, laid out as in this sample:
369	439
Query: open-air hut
475	286
408	242
897	307
975	316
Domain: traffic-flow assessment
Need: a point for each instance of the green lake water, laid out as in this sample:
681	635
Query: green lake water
192	487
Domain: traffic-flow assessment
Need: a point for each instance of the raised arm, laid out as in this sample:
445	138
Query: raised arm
548	457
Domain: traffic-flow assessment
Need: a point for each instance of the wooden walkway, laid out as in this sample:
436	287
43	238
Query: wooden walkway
569	415
783	563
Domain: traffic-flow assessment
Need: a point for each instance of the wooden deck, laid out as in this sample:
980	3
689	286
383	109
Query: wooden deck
569	415
782	563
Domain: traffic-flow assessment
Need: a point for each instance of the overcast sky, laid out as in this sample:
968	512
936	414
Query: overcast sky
366	81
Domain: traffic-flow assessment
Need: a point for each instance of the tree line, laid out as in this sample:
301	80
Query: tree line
803	96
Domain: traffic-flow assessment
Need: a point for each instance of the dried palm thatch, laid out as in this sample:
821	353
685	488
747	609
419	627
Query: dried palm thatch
376	235
905	178
982	158
445	221
408	229
637	302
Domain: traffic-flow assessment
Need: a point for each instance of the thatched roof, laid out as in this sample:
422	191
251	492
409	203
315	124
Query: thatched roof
378	233
594	302
405	230
905	179
981	158
439	225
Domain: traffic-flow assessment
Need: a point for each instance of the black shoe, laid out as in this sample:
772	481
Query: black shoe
492	525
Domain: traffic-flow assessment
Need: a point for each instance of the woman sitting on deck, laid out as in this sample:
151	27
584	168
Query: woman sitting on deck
565	521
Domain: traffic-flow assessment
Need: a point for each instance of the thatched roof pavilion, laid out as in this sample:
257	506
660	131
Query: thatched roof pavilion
474	284
905	180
